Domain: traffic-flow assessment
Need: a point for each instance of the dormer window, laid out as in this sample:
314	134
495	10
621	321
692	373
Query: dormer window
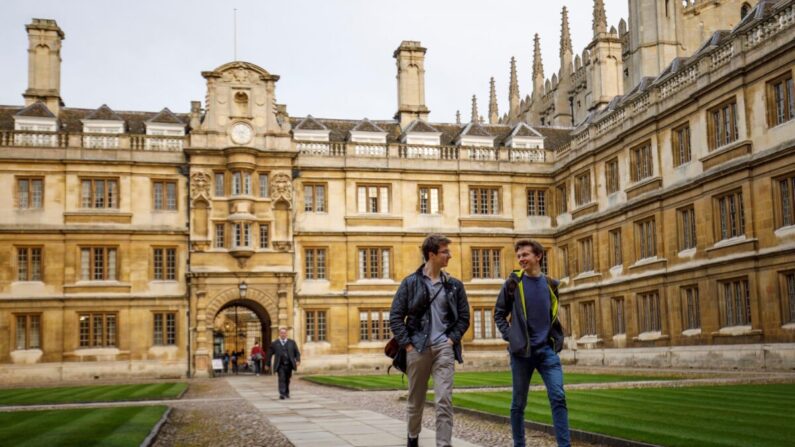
101	129
31	120
166	132
371	139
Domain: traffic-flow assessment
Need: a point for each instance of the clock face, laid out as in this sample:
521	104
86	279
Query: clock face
241	133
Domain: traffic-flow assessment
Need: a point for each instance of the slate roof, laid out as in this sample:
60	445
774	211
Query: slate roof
475	130
310	123
103	113
36	110
366	125
70	118
165	116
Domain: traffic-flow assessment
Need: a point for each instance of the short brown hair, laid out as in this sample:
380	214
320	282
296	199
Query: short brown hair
534	245
432	243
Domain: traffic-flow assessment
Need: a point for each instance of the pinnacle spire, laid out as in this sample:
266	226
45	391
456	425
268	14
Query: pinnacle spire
458	117
538	64
565	34
494	115
475	116
599	17
513	93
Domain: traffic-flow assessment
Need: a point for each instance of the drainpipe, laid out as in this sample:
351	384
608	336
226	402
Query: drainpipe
185	170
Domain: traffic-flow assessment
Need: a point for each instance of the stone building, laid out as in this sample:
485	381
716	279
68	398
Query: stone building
656	169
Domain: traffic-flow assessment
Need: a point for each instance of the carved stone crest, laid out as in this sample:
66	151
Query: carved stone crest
282	187
199	185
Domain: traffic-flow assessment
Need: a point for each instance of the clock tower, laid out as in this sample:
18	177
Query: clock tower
241	201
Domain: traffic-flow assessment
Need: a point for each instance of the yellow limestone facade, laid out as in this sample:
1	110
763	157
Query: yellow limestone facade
666	206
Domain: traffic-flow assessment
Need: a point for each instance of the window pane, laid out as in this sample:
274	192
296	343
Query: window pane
21	331
158	195
24	193
158	329
219	184
35	332
320	198
263	185
171	195
171	264
171	329
111	264
110	321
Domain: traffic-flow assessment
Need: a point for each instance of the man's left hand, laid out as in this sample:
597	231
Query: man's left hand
450	342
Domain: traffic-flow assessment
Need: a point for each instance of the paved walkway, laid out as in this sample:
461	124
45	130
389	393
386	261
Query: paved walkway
309	420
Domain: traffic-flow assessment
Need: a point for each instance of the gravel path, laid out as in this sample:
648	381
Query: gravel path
217	417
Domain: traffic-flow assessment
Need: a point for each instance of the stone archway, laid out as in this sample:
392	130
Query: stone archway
262	304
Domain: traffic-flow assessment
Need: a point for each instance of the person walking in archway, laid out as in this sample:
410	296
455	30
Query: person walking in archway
256	357
286	359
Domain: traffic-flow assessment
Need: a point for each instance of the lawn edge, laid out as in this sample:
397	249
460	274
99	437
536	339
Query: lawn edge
576	435
150	439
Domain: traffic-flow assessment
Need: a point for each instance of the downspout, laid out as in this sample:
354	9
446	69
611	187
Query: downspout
185	170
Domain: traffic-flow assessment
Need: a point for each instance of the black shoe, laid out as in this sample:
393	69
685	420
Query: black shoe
281	397
413	442
287	396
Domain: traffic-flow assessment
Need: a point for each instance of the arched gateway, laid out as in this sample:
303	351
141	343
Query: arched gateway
263	304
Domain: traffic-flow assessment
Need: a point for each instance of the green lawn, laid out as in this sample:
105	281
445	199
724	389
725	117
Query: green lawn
709	416
100	393
106	427
471	379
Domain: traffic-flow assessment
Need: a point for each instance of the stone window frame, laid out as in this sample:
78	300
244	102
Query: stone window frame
29	251
18	195
263	194
687	234
488	206
164	196
729	216
481	325
561	198
735	309
224	235
168	333
691	307
565	268
649	311
479	263
439	199
246	185
775	116
28	316
264	242
108	274
588	318
317	270
106	192
641	161
313	205
364	271
681	145
612	176
168	270
222	186
383	202
585	259
106	333
367	327
537	201
582	188
646	238
784	200
615	247
787	290
718	134
618	313
314	329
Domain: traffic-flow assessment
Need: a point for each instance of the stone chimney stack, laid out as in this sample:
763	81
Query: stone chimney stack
44	64
410	56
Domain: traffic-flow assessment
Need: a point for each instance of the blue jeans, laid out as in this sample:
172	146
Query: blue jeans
547	362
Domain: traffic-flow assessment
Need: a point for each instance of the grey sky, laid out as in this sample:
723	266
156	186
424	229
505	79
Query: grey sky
334	57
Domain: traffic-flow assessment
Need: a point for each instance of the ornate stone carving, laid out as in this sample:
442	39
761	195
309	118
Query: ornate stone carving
199	185
282	187
282	245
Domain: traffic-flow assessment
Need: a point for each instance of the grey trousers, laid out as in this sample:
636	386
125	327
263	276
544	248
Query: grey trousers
439	361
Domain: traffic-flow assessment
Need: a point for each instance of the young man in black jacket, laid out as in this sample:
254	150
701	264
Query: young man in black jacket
429	315
287	358
534	338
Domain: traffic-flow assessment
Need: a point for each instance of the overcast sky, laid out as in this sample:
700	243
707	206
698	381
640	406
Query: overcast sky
334	56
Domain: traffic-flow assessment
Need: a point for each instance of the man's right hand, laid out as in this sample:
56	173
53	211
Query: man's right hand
409	347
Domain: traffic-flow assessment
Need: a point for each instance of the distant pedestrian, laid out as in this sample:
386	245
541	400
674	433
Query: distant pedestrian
234	362
256	357
286	359
225	360
534	337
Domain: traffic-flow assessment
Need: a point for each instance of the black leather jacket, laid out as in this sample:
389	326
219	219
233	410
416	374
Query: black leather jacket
410	316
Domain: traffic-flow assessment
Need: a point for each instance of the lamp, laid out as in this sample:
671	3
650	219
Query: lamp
243	287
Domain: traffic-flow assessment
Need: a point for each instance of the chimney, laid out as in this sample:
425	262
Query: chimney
410	57
44	64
